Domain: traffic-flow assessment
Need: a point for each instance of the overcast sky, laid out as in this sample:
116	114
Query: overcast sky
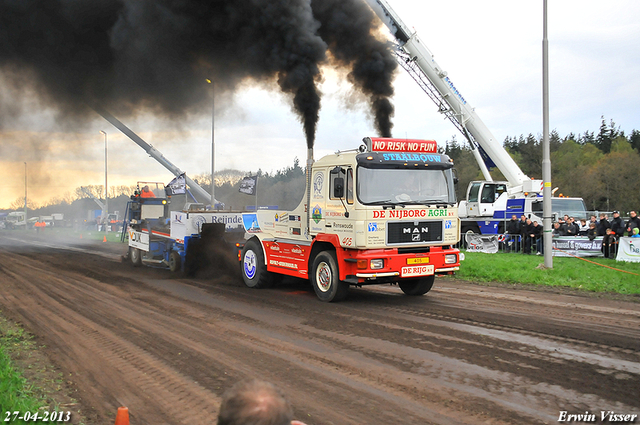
492	51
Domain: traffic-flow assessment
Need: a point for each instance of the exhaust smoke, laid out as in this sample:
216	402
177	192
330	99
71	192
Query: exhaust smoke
131	55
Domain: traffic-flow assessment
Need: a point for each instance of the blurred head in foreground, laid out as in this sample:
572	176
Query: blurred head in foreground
255	402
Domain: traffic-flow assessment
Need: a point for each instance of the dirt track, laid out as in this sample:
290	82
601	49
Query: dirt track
168	347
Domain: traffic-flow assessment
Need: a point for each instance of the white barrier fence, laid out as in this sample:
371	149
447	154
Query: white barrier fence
628	249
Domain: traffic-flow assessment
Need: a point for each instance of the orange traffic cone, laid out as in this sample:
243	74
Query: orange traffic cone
104	239
122	418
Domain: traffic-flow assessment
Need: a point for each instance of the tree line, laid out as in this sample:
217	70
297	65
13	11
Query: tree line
601	168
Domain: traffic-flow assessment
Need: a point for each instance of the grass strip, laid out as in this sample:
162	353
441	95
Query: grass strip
570	272
16	394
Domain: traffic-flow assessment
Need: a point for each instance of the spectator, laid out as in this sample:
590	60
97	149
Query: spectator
617	225
523	232
593	220
636	232
558	230
513	230
592	232
633	223
529	236
536	235
255	402
608	244
603	225
572	227
584	227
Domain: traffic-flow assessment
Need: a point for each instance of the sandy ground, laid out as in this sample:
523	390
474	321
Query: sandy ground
167	347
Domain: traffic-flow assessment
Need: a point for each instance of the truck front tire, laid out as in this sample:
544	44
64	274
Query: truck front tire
325	278
254	270
418	286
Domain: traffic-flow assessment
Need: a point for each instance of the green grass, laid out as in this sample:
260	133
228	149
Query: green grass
16	394
566	272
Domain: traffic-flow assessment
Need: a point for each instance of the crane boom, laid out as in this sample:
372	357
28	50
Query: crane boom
418	61
153	153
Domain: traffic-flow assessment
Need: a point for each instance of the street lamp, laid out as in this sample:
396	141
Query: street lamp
213	145
25	196
106	188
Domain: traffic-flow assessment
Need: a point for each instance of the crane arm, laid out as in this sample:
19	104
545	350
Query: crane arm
153	153
418	61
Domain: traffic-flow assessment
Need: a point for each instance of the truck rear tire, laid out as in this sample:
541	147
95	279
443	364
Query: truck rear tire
254	270
136	256
418	286
325	278
175	261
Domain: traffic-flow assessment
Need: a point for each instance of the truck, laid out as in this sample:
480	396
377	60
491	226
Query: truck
16	220
177	239
488	204
384	213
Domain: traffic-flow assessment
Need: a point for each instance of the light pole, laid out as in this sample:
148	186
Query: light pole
213	145
546	155
106	188
25	196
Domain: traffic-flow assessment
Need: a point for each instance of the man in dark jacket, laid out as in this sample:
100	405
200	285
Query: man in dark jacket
513	232
603	225
529	237
617	225
536	237
634	221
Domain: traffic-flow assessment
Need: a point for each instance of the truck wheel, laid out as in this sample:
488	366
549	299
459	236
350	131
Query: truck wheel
417	286
175	262
254	271
135	255
325	278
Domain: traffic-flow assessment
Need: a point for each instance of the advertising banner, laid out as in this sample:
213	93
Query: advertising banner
629	250
577	247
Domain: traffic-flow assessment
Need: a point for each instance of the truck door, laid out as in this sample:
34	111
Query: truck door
339	210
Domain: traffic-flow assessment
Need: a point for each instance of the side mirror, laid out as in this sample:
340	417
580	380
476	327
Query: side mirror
338	187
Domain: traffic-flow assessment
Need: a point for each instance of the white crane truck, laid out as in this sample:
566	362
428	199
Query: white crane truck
384	213
488	203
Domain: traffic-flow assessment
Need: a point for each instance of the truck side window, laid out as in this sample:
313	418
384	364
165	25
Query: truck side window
488	194
473	192
350	186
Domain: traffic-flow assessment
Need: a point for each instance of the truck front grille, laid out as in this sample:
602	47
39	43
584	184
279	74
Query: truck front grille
414	232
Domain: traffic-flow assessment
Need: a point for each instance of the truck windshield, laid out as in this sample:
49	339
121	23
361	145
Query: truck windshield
570	206
380	186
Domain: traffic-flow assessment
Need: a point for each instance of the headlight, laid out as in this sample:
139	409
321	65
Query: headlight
450	259
377	264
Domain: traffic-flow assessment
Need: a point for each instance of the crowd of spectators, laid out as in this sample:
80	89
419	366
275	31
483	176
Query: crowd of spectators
526	235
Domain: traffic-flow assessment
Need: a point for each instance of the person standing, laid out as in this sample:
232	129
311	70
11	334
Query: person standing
603	225
633	223
523	230
529	236
513	232
536	237
617	225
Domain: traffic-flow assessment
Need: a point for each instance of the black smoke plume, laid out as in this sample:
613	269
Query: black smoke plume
129	55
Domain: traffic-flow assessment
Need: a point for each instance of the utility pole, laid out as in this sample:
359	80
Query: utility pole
213	144
25	196
106	188
546	152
